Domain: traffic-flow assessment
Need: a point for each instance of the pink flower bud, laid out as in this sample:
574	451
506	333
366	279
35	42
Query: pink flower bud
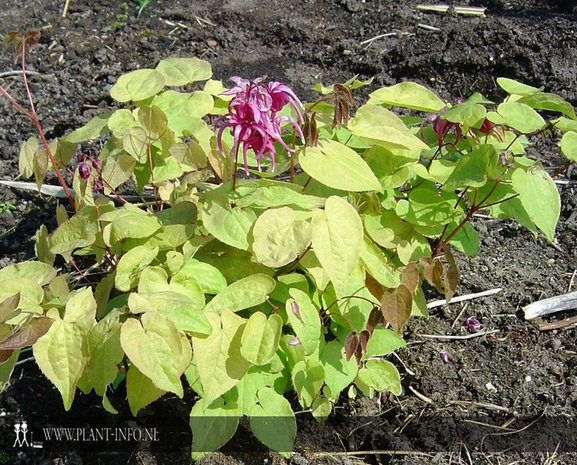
96	164
294	342
84	170
295	309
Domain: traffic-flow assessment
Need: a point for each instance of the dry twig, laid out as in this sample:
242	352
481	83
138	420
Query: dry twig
457	338
567	323
461	298
552	305
65	10
460	10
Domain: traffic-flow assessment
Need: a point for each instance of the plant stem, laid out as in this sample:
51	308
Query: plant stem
470	213
292	169
234	172
118	196
32	116
293	265
351	297
306	184
500	201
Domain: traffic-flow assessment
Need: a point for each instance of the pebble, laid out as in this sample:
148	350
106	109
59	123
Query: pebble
7	218
556	343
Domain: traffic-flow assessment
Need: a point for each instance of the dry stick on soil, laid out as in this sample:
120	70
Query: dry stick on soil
572	280
479	404
457	338
423	397
65	10
380	36
567	323
461	10
58	191
18	73
509	432
551	305
428	27
461	298
459	315
371	452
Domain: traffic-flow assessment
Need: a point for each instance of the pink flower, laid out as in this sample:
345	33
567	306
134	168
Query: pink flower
252	117
442	127
474	325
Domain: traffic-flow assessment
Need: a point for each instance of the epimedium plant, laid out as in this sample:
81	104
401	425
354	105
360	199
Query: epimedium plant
272	247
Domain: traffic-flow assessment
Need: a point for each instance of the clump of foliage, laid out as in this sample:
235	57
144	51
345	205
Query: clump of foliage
298	277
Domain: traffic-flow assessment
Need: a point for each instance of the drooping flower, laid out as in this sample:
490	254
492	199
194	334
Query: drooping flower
487	126
253	119
442	127
474	325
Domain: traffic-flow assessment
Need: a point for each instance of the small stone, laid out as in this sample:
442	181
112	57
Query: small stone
491	387
7	218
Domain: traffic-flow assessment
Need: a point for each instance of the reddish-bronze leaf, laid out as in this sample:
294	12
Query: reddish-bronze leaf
374	287
10	303
310	130
338	114
364	340
28	335
351	344
13	39
9	307
375	319
396	305
433	273
5	355
410	276
452	276
359	354
32	37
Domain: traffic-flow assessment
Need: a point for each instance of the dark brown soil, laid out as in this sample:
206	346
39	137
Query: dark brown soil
517	374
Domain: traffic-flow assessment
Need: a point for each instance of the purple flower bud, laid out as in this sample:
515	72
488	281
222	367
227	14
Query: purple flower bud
84	170
474	325
96	163
295	309
294	342
80	157
98	187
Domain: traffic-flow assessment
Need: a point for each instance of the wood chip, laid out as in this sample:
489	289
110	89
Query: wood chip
551	305
567	323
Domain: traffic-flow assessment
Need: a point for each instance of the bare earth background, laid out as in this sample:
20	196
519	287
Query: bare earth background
525	375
